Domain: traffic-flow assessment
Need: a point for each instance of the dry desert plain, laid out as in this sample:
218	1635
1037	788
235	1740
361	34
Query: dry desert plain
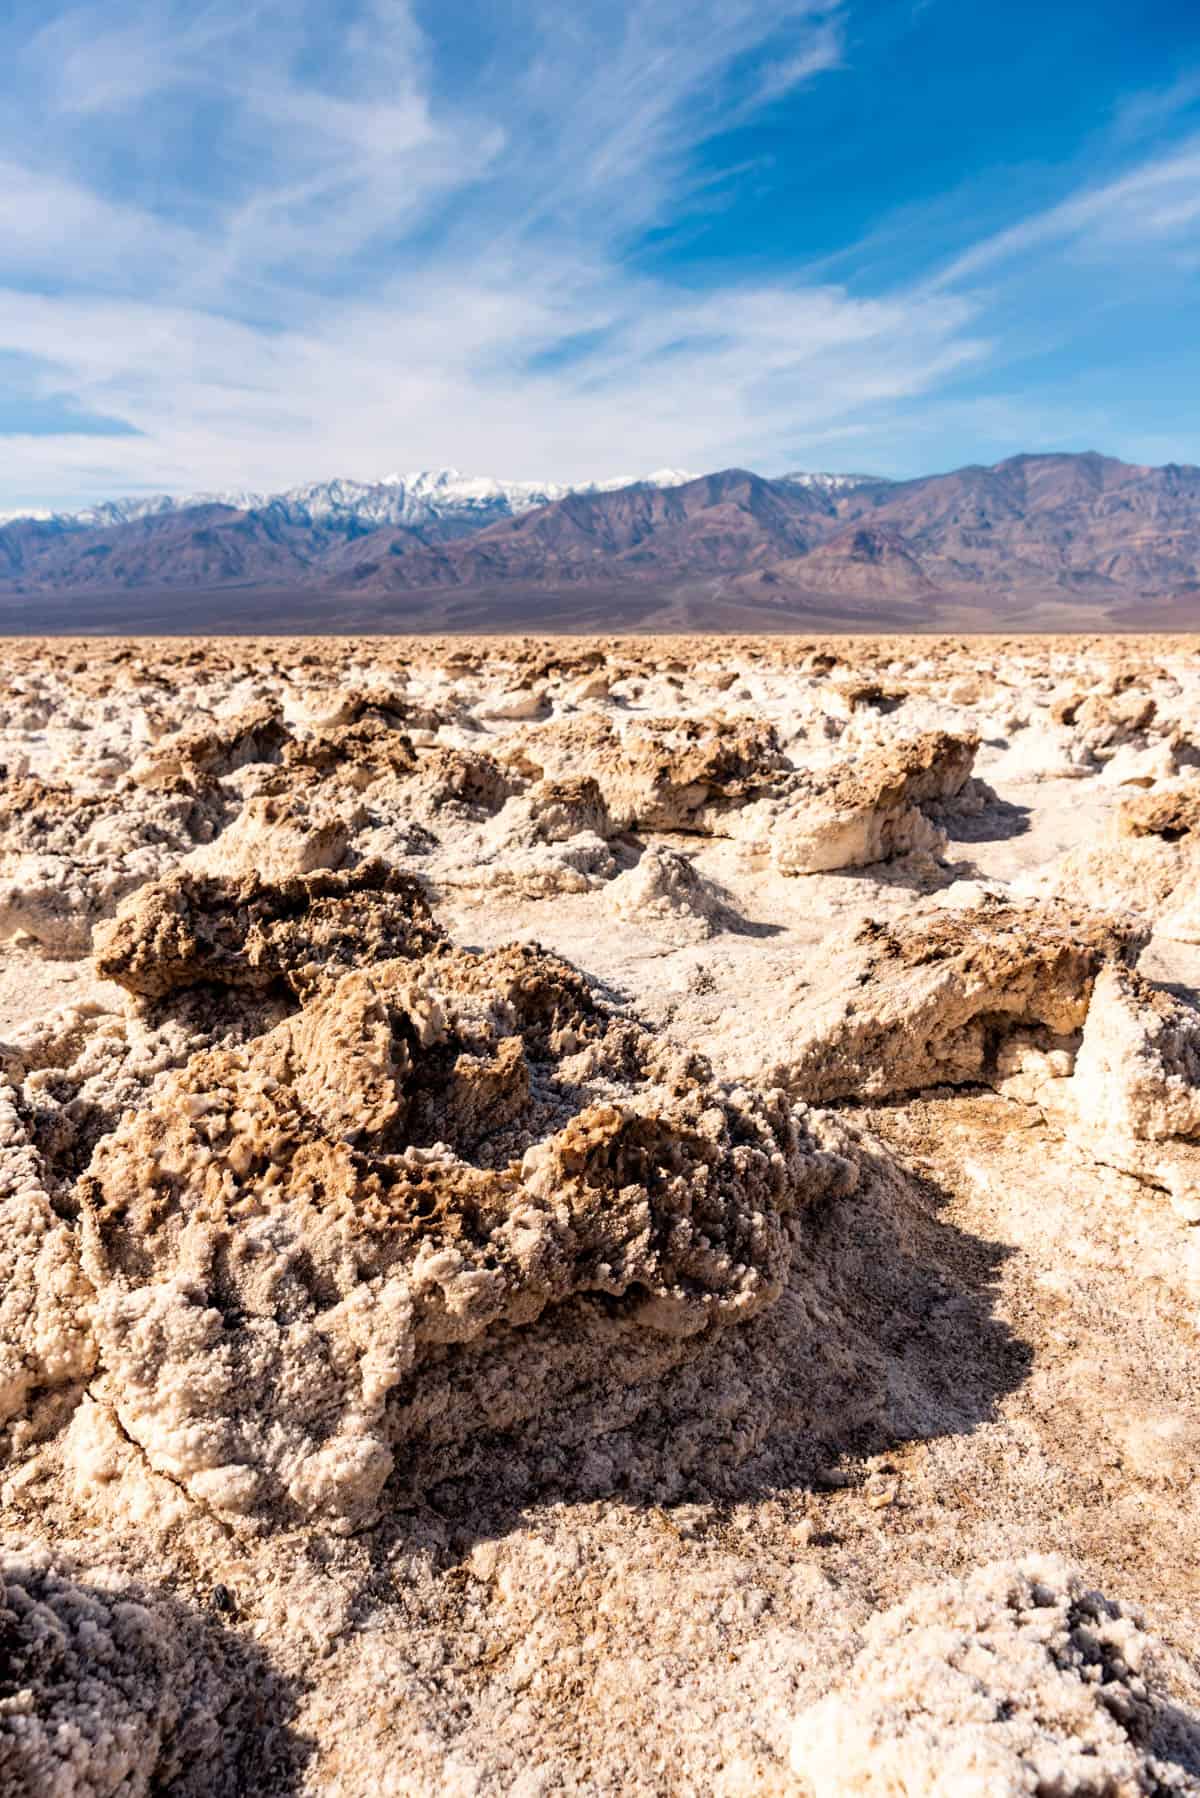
591	1216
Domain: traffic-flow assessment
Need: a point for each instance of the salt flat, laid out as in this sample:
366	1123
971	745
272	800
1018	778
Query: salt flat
600	1215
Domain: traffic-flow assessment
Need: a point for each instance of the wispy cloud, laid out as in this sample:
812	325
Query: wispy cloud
373	261
1155	205
824	52
51	224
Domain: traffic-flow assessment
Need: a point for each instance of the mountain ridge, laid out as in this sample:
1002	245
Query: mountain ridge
1057	540
395	499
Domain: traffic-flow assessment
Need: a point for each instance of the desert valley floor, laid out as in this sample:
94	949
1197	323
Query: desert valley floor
589	1216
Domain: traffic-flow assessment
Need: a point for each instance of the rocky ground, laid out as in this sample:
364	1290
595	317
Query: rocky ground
600	1217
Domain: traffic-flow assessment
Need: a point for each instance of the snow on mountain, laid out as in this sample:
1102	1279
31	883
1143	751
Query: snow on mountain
831	483
111	512
441	501
429	496
441	495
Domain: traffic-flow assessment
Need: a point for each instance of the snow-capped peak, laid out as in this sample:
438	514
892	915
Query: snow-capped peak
437	495
441	498
830	483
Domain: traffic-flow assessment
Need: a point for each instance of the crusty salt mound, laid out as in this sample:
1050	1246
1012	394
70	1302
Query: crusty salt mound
1017	1680
1037	999
549	838
45	1301
386	705
931	998
1169	812
670	774
255	933
642	1414
74	1071
568	807
867	809
1129	1093
66	860
355	755
111	1690
729	777
285	1238
275	837
663	890
202	753
1147	861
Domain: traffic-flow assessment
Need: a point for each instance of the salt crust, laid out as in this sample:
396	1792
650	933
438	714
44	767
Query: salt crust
1016	1680
278	1241
111	1689
430	1149
272	969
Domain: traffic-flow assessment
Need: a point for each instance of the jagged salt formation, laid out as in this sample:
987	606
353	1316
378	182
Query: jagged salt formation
663	889
1037	999
45	1301
290	1237
1148	861
320	779
1128	1095
68	859
255	932
1018	1680
728	776
931	999
209	751
110	1689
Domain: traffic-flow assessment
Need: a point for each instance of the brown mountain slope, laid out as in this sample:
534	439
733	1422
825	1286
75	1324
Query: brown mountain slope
722	522
1068	536
205	546
1085	523
864	559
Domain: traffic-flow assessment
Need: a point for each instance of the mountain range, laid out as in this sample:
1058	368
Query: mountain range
441	499
1059	541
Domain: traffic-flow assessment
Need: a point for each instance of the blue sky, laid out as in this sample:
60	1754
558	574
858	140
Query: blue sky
247	244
